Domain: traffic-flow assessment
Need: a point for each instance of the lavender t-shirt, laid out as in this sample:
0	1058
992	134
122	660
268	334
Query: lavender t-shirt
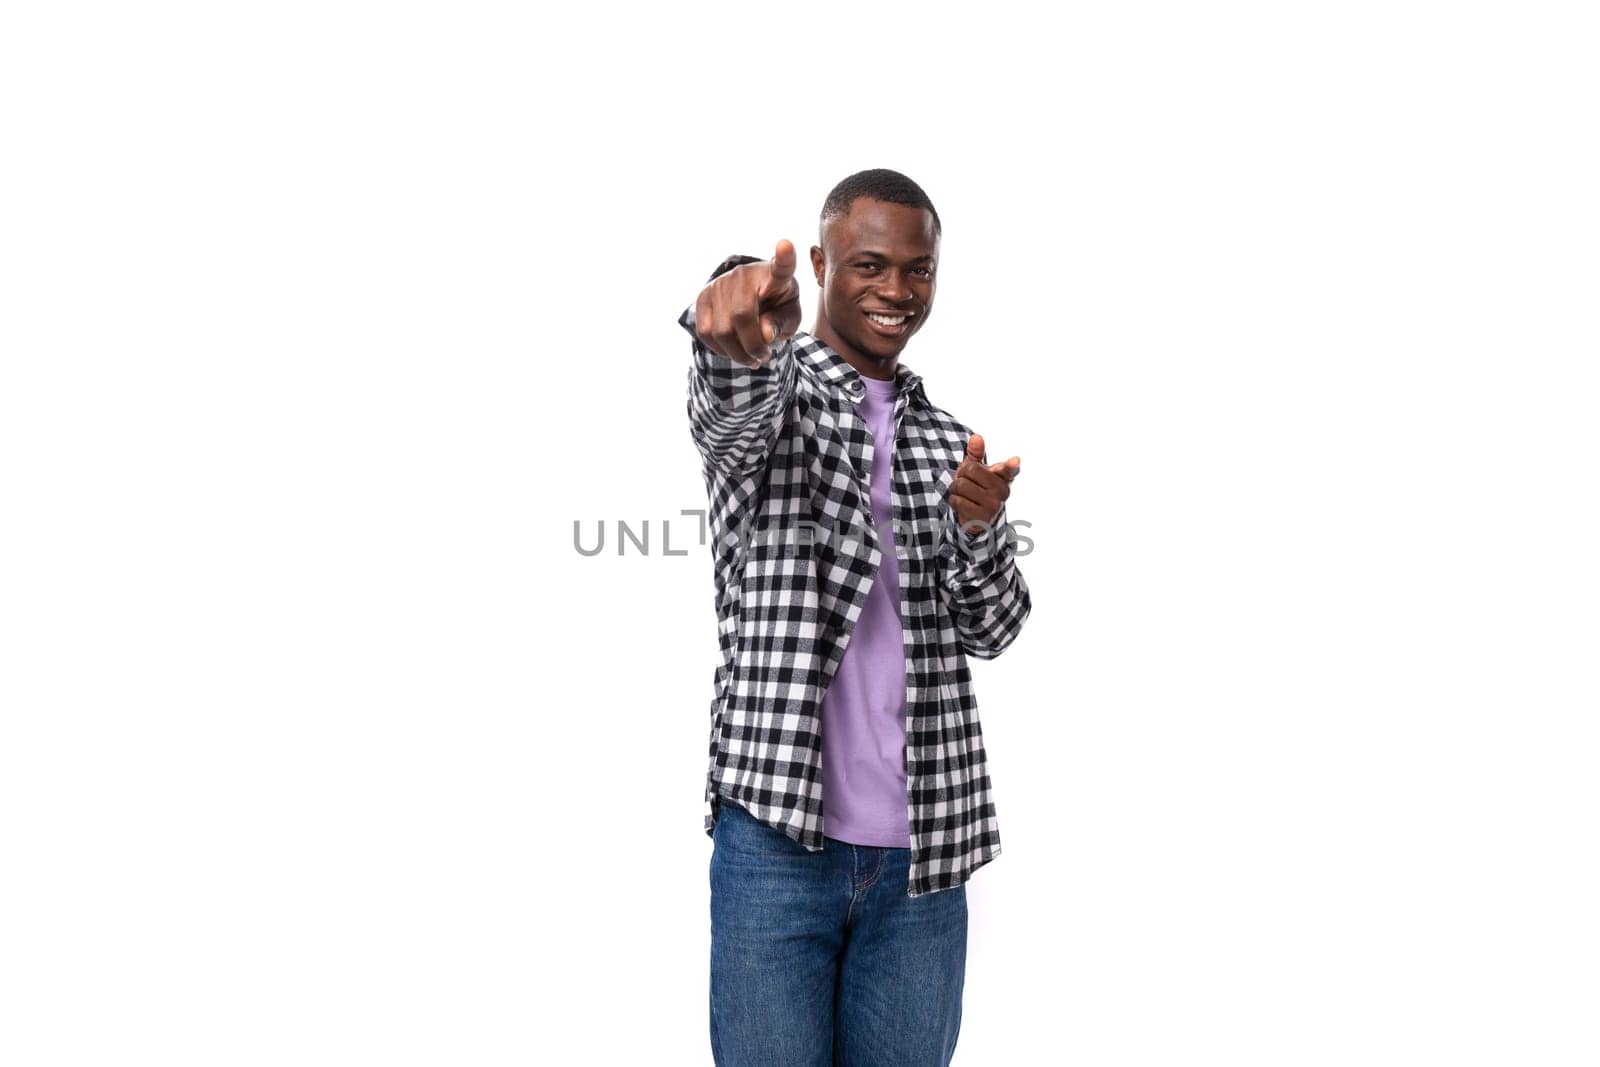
864	707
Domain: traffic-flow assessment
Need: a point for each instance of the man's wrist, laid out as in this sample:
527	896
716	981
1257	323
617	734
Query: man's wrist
976	541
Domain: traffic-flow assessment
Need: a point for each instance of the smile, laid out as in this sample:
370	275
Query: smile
887	320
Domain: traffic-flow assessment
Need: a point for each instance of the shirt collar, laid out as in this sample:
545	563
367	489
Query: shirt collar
832	368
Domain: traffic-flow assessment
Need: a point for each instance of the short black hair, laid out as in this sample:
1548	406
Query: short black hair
889	186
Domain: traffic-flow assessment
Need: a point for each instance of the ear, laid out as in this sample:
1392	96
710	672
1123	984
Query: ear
818	264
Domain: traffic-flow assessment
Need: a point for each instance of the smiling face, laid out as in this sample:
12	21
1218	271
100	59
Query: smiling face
876	269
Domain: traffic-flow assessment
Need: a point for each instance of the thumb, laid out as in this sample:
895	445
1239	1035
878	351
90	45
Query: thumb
975	447
783	260
780	283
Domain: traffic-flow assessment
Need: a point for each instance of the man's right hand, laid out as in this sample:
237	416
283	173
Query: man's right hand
739	314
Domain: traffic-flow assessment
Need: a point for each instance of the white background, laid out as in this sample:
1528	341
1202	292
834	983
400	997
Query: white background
322	324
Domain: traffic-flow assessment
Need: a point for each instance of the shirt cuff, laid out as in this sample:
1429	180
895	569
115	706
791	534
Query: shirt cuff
979	549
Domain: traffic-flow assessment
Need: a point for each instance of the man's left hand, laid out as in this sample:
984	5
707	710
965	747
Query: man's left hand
979	490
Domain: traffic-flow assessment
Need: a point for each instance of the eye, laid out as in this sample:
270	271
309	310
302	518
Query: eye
866	266
926	272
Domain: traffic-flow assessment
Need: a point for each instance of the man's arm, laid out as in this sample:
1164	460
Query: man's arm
983	588
742	372
979	581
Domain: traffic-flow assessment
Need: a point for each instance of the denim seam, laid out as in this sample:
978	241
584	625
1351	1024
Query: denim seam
883	859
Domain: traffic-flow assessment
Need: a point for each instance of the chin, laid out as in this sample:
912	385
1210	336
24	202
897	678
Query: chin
882	347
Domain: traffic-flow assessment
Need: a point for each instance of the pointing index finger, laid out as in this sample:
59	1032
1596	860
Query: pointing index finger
1009	469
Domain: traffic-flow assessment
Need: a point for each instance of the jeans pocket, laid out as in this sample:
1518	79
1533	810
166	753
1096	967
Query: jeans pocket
739	831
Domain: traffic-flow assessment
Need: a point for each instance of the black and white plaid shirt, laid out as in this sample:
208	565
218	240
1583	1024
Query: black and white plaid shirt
787	459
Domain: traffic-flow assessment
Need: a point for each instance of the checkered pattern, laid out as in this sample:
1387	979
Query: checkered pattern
787	460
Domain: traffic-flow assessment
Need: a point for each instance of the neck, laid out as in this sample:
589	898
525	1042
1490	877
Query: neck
868	366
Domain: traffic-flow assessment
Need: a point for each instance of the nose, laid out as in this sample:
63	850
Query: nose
894	289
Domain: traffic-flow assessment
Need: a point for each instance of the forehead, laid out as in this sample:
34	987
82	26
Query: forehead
896	230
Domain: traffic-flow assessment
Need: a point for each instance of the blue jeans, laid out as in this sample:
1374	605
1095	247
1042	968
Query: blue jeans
820	959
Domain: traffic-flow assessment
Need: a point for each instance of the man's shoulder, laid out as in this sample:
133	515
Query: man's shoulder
805	342
943	418
944	423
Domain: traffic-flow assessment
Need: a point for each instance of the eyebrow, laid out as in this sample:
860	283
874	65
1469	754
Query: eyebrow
880	255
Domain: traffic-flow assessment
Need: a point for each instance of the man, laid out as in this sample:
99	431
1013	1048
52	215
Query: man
858	536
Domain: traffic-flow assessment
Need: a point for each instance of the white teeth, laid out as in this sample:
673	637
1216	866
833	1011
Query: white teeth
887	320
